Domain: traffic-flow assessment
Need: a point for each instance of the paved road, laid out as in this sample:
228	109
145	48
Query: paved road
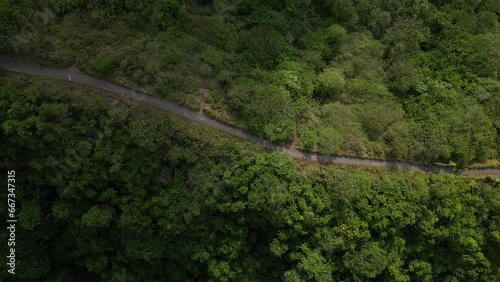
78	77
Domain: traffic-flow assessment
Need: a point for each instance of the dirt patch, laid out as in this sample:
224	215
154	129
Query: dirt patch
204	94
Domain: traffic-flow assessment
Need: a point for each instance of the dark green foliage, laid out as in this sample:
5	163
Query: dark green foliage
468	133
369	262
267	108
263	47
271	66
110	192
101	65
9	15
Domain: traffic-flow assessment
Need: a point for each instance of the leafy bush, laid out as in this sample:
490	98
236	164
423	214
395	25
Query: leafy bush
101	65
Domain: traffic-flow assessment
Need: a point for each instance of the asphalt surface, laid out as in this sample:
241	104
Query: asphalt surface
75	76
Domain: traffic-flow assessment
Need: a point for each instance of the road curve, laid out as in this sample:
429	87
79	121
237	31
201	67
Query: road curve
78	77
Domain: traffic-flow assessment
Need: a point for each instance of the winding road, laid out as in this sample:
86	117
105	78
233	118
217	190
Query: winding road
76	76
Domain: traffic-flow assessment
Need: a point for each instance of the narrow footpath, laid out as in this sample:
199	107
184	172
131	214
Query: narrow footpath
73	75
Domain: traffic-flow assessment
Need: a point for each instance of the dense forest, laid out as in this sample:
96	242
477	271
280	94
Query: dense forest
413	80
111	191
